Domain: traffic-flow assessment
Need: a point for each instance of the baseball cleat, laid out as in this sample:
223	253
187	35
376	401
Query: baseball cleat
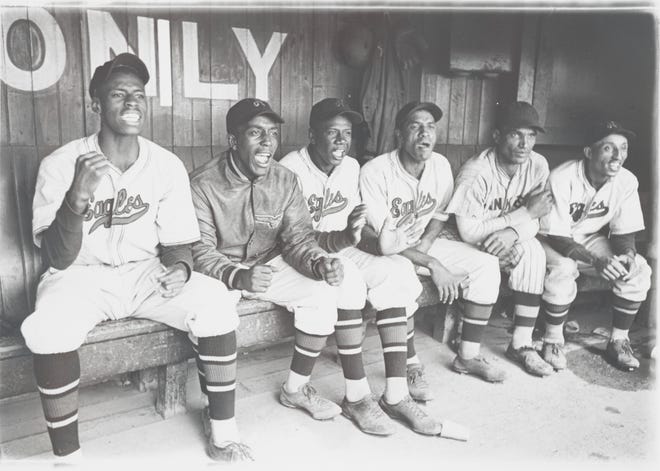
530	360
368	417
553	354
409	412
479	366
417	385
620	353
230	451
308	399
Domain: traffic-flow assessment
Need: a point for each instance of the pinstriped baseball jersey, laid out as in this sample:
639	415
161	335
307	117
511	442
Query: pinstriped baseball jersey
330	198
485	191
387	188
580	210
130	213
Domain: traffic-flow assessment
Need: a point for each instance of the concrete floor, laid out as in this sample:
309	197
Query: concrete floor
590	415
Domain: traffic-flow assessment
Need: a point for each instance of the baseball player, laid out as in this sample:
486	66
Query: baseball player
329	179
257	238
114	219
589	194
499	196
406	192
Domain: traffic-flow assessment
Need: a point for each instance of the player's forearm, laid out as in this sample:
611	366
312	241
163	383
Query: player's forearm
170	255
527	230
332	241
61	242
369	241
208	261
420	258
568	247
623	244
474	231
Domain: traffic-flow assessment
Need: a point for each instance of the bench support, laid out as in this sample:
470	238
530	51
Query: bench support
171	394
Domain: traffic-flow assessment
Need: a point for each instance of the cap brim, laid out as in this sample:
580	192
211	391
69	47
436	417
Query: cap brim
432	108
272	115
353	117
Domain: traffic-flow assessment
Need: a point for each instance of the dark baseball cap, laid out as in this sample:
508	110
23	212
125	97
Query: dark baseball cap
409	108
126	61
329	108
518	114
605	128
248	108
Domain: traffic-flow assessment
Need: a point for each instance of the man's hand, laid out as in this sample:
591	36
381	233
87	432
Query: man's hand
331	270
256	279
172	280
449	284
510	259
356	221
629	263
500	242
90	168
539	203
393	239
610	268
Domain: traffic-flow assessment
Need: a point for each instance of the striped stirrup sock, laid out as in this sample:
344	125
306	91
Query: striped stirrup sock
348	333
391	324
217	357
58	376
306	349
624	312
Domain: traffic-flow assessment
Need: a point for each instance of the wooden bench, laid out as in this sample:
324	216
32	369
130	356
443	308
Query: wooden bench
157	355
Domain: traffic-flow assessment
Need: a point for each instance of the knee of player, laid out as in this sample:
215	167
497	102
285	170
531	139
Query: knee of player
643	275
44	336
563	266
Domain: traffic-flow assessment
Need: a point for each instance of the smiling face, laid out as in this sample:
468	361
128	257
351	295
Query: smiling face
515	146
254	144
122	104
417	136
330	141
606	157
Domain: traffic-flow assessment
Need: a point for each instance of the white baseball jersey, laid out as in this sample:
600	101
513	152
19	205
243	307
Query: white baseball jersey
130	212
387	189
484	191
330	198
580	210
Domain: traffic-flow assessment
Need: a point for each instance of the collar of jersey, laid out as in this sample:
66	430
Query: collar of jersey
402	171
582	172
235	171
92	144
492	156
304	153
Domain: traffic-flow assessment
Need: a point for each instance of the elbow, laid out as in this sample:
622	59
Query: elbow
468	235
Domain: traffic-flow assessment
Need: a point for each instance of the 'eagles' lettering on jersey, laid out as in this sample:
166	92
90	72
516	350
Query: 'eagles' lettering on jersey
500	204
110	212
424	204
329	203
596	210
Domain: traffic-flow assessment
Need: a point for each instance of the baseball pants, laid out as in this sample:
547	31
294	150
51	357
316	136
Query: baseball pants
483	269
390	281
71	302
313	303
528	275
562	273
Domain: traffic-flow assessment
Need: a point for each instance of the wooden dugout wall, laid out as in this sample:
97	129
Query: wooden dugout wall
34	123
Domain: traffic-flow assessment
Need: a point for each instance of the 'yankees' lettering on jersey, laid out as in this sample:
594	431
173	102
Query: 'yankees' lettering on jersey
330	198
130	213
387	188
485	191
580	210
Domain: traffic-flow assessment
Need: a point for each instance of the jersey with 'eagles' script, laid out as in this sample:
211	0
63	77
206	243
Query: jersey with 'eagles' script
130	213
330	198
387	189
580	210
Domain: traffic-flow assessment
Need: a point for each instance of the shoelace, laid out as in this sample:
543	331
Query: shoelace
625	346
419	413
240	450
310	393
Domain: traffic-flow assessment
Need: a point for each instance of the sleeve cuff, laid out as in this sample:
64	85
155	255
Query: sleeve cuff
518	217
69	220
229	276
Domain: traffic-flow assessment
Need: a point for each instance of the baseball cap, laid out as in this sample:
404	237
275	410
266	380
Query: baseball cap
331	107
248	108
409	108
605	128
124	60
518	114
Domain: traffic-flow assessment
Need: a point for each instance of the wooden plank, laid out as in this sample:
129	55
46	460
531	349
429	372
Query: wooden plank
325	71
161	115
171	394
201	155
544	70
140	50
47	102
472	110
201	107
181	106
442	97
528	49
70	86
456	114
185	154
296	53
228	65
4	111
489	87
21	103
457	155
